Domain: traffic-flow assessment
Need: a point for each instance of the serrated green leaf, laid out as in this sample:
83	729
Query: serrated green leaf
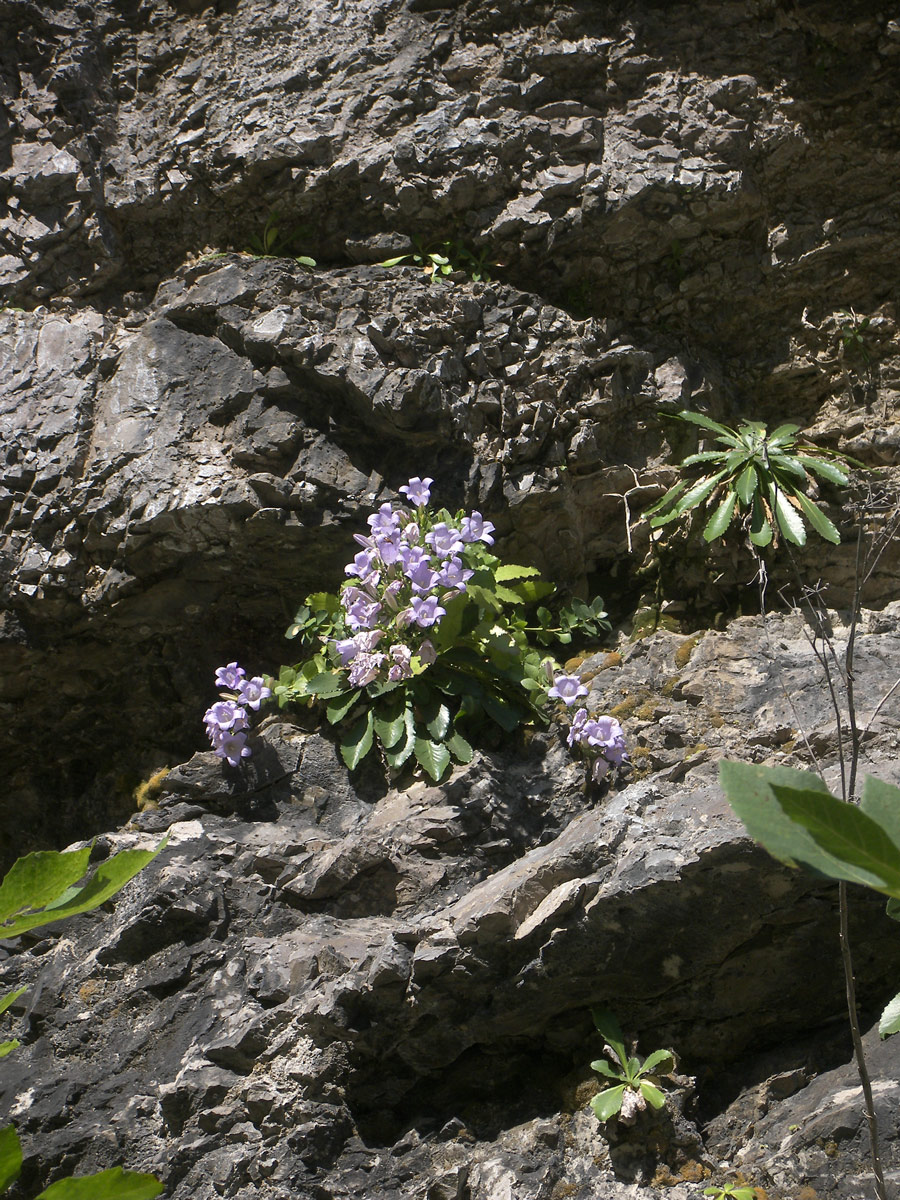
10	1157
326	685
530	590
390	718
459	747
727	435
338	707
607	1103
403	750
698	493
890	1018
825	470
747	483
656	510
789	520
818	520
357	741
433	757
705	456
114	1184
510	571
782	435
760	528
721	518
507	595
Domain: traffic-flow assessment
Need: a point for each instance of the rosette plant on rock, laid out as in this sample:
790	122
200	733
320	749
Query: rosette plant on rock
759	478
633	1084
428	639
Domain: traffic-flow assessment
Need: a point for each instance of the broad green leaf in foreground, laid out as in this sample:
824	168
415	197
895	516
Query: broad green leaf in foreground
607	1103
890	1018
115	1184
850	837
109	877
10	1157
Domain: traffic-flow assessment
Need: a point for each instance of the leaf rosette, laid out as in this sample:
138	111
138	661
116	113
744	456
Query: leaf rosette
759	478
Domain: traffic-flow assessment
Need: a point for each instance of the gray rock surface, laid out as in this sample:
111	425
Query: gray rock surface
327	987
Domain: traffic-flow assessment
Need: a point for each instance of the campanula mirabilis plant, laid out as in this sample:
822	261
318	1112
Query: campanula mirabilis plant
429	638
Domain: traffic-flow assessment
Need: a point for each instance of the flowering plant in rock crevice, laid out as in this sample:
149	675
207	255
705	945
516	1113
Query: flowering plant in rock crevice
428	638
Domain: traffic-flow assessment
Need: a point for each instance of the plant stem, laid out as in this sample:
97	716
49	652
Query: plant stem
862	1069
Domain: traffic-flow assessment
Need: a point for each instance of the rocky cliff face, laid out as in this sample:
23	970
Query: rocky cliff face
681	205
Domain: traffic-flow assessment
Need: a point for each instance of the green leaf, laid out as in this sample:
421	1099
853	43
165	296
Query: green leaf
705	456
607	1103
8	1047
438	725
357	742
847	834
459	748
760	529
663	503
611	1032
394	262
892	909
433	757
747	483
825	470
652	1094
747	788
727	435
114	1184
721	518
501	712
661	1060
789	520
338	706
510	571
782	435
881	801
403	750
507	595
529	590
10	998
602	1067
10	1157
327	684
818	520
698	493
890	1018
390	718
40	878
109	878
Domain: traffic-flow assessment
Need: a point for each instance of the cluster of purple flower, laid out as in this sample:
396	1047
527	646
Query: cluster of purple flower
405	574
226	721
600	738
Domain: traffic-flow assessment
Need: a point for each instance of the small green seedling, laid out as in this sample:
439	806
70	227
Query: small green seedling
637	1083
276	242
855	333
440	258
760	476
730	1191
